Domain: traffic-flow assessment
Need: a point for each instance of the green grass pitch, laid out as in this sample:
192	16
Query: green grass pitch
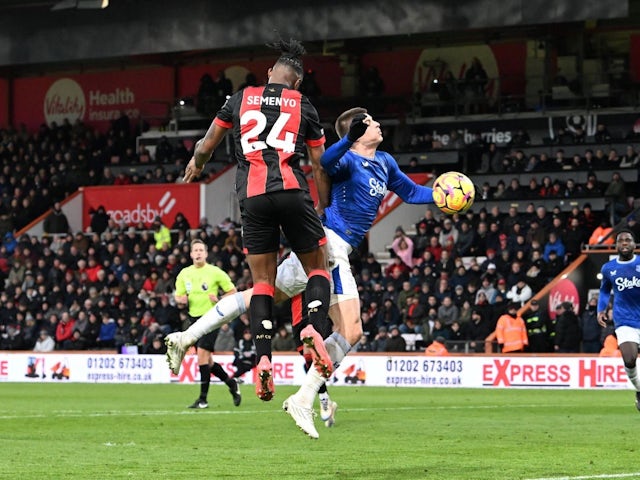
85	431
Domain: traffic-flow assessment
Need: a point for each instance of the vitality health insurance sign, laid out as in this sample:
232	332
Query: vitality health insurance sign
134	204
96	98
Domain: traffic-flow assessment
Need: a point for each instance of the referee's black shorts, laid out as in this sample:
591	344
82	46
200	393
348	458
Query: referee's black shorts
209	340
263	215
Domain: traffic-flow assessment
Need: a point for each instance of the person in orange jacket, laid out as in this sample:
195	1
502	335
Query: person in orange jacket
437	348
599	233
610	348
511	331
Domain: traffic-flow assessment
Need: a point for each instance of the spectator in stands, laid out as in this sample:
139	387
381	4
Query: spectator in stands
389	314
44	343
157	346
573	238
520	292
475	81
613	160
554	265
567	329
563	136
379	343
478	329
164	150
363	345
56	222
553	244
414	317
498	193
64	329
106	337
601	134
575	163
485	193
571	189
466	240
588	218
601	235
557	225
403	296
448	236
374	267
99	220
369	327
546	187
513	191
631	158
579	135
395	342
421	240
402	246
448	312
616	196
590	329
283	341
161	234
181	223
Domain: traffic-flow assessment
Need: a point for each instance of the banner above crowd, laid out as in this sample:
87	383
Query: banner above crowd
135	205
96	99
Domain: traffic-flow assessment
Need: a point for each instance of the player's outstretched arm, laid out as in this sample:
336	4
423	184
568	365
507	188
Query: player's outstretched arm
408	190
203	151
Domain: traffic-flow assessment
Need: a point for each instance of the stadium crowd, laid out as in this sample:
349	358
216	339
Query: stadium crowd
452	277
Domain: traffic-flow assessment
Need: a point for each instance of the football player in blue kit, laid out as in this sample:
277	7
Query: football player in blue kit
361	176
621	277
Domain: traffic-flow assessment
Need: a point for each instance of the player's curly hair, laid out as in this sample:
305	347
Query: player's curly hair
291	53
343	122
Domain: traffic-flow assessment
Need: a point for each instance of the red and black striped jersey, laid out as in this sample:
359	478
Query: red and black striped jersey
272	126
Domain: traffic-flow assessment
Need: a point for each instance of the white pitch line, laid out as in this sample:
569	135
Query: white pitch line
155	413
590	477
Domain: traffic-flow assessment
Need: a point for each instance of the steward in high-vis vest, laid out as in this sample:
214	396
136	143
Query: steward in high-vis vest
437	348
511	332
536	323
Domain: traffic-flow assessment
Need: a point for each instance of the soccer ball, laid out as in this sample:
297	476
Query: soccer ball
453	192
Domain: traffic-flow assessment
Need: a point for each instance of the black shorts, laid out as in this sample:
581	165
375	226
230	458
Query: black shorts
263	215
209	340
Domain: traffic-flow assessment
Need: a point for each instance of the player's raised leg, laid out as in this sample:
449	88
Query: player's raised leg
223	312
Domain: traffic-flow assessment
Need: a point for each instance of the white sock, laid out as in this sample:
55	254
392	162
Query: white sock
310	385
223	312
338	347
632	373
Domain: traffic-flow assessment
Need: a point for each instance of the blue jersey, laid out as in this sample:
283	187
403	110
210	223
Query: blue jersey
358	186
623	278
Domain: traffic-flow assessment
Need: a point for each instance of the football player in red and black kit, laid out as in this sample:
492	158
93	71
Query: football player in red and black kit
273	126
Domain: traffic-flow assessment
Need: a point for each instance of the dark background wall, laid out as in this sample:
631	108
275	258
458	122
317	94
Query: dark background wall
33	34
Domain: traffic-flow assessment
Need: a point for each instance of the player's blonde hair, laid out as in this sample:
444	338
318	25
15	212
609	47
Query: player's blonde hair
343	122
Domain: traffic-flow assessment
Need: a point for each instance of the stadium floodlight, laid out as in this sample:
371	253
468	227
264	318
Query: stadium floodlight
92	4
81	4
